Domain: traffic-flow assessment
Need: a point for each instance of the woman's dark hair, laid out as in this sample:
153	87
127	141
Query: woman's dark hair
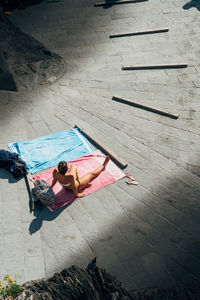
62	167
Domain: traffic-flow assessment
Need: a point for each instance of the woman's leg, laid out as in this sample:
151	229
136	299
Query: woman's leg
85	180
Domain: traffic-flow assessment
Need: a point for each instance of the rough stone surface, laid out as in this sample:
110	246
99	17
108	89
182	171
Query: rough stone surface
76	283
146	235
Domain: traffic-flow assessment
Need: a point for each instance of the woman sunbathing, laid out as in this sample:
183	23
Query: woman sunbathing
69	178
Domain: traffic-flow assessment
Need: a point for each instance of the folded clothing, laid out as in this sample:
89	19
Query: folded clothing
46	151
85	164
12	162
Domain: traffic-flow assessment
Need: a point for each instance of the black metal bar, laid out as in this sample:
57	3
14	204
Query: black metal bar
151	67
118	2
148	108
139	33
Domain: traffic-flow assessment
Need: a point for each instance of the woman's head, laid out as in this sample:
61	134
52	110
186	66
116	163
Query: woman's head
62	167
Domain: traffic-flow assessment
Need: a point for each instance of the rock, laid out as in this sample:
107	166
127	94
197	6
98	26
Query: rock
55	69
52	79
33	68
76	283
45	64
47	52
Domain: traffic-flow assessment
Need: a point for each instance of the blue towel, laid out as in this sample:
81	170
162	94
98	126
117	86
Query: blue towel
47	151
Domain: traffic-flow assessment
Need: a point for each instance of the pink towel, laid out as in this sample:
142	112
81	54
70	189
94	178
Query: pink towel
85	164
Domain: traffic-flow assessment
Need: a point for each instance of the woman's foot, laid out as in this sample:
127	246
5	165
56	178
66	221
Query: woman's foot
80	195
106	161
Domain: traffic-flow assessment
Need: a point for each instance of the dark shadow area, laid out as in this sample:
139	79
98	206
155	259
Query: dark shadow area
26	3
18	4
31	203
192	3
189	290
41	214
4	174
7	82
109	4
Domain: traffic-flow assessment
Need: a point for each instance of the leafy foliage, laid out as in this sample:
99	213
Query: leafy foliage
9	288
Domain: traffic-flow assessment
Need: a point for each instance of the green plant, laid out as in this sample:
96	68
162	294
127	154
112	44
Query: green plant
9	288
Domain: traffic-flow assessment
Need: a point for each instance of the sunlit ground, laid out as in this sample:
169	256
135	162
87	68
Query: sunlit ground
145	235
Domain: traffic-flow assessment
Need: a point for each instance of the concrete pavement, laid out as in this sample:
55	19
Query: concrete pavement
145	235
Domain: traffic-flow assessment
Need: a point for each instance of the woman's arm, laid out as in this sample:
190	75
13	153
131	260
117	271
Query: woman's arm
54	178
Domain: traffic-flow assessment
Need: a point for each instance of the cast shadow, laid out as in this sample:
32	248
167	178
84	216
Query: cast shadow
4	174
41	214
24	4
17	4
109	3
192	3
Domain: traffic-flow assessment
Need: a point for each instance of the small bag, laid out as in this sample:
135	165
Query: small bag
43	192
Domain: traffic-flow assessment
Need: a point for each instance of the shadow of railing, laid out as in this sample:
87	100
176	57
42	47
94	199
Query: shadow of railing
192	3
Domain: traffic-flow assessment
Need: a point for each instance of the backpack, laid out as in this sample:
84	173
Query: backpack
43	192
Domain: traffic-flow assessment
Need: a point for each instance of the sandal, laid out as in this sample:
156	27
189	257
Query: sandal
130	181
130	176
